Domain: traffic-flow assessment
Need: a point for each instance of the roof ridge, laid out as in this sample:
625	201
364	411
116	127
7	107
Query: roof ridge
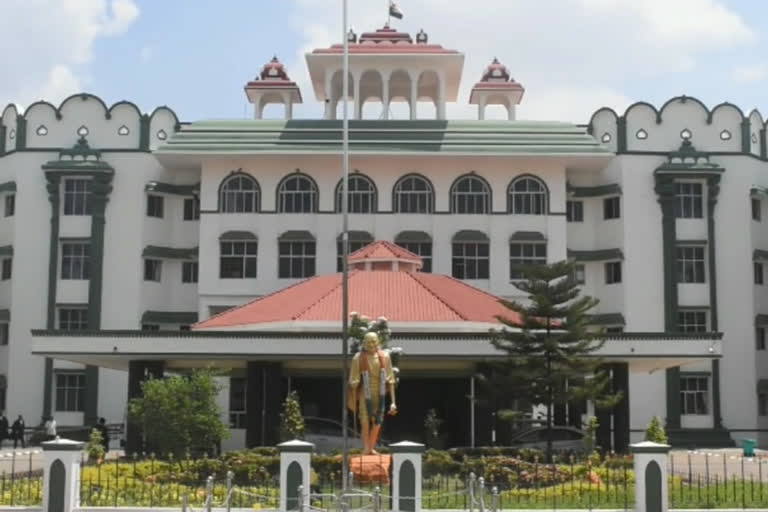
435	295
257	299
329	292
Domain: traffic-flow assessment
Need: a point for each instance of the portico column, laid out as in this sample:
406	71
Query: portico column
358	107
385	97
264	395
414	96
257	107
328	96
481	109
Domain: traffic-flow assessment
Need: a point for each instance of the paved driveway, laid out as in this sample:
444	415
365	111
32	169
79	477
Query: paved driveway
719	463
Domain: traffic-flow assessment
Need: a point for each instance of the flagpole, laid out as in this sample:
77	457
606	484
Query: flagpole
344	248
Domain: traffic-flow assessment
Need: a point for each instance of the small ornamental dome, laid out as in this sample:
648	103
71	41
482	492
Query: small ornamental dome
496	72
421	37
274	70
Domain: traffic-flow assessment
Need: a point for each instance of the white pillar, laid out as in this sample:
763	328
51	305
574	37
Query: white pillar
61	473
295	469
385	96
288	110
650	464
257	107
357	101
511	112
440	96
406	484
328	95
481	109
414	96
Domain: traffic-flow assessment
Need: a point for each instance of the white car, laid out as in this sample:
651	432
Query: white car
563	439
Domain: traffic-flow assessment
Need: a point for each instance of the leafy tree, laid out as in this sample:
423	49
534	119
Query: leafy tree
655	431
547	343
179	413
95	447
291	419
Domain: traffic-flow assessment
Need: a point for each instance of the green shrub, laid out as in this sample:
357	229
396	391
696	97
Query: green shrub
95	446
655	431
291	419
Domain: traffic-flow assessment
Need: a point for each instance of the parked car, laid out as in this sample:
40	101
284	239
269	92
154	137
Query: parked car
563	439
326	435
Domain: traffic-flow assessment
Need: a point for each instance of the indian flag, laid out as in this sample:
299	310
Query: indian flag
395	11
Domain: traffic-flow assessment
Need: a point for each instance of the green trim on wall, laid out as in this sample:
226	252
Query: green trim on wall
470	235
169	317
691	242
170	188
170	253
356	236
761	319
5	315
8	186
53	186
297	236
21	133
594	191
596	255
527	236
760	255
695	374
713	191
238	235
6	250
2	138
746	136
762	385
606	319
621	134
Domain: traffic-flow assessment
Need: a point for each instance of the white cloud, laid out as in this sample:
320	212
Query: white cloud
50	42
749	73
573	56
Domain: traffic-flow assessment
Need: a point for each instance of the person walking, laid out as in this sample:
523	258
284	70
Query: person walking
50	428
3	429
17	432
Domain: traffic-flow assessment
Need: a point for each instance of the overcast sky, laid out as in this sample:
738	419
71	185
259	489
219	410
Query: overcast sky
572	56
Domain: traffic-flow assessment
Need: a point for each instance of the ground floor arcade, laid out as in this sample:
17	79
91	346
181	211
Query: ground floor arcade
437	372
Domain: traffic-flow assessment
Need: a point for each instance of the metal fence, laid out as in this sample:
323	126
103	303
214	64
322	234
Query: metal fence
21	478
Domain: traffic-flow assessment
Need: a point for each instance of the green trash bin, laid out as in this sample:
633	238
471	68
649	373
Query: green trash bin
749	447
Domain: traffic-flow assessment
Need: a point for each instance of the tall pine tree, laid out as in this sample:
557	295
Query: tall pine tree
549	344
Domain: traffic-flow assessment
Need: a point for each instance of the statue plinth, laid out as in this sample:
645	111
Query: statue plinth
371	468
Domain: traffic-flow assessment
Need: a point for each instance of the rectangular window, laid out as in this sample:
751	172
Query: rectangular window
155	206
690	265
423	249
471	260
694	395
613	272
760	338
152	270
579	274
692	321
73	319
191	208
525	254
574	211
612	208
7	268
237	260
237	404
296	259
762	404
689	200
757	209
10	205
150	327
189	271
77	197
4	336
74	260
70	391
758	271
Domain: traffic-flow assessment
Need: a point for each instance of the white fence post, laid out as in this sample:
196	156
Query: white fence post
61	473
295	470
406	476
650	463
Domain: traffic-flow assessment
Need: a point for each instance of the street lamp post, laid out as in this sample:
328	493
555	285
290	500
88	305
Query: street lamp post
344	246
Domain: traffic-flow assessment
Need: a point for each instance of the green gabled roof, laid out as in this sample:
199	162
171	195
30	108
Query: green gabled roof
419	136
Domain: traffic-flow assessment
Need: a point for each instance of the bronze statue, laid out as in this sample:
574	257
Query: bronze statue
369	377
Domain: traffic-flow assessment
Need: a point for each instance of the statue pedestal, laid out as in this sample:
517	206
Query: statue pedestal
370	468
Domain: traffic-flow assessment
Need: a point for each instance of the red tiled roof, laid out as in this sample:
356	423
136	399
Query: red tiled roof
383	250
399	296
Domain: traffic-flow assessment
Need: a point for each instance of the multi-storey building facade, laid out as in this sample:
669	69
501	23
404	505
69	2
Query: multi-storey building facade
131	228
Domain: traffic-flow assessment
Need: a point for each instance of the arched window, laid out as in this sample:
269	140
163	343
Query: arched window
413	194
239	194
527	195
470	194
362	195
419	243
297	194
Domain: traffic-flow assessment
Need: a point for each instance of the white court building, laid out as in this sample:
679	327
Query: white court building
122	229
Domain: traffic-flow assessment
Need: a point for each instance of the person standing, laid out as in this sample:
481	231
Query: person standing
17	432
102	428
50	428
3	428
